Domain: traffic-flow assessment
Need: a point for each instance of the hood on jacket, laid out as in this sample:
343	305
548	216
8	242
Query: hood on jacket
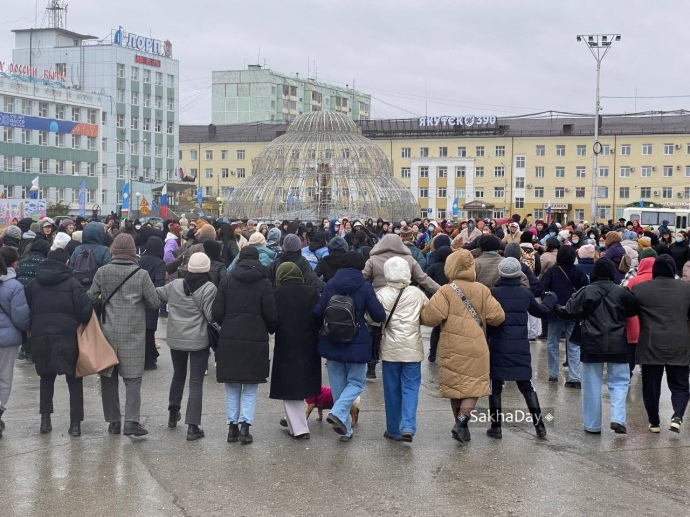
318	241
248	271
645	266
273	235
52	272
390	242
443	253
460	266
9	275
93	233
347	280
397	271
28	235
25	224
155	247
170	237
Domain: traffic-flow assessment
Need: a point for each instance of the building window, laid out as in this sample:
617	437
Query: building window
519	182
625	149
405	152
135	73
224	155
668	149
602	192
159	125
538	192
193	155
170	104
240	154
462	152
159	79
646	171
580	192
539	171
240	173
442	172
147	76
405	172
26	136
460	192
560	192
499	192
60	112
605	150
625	172
8	163
135	123
646	149
120	70
91	143
26	107
668	171
479	172
134	148
519	162
460	171
225	173
424	152
686	192
147	124
423	192
645	192
170	128
171	81
499	172
76	142
424	172
667	192
76	114
479	192
519	202
135	98
158	150
43	166
541	150
442	192
43	109
580	172
76	168
479	151
603	172
538	213
560	172
624	192
442	152
9	104
209	155
441	213
120	146
26	164
147	100
500	150
581	150
560	150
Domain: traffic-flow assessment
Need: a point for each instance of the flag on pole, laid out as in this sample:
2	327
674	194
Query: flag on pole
455	207
164	201
548	212
199	197
33	191
82	198
125	201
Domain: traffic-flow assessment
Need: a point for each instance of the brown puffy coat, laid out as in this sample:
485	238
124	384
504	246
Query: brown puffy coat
463	352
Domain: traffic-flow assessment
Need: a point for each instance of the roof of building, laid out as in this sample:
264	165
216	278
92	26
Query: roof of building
653	123
64	32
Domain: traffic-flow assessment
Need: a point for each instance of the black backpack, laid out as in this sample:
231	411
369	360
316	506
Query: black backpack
85	266
339	320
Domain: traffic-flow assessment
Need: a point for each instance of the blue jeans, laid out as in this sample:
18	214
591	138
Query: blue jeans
556	328
240	402
401	382
617	381
347	383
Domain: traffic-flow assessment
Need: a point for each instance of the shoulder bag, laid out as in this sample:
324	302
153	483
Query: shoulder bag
96	354
99	305
468	305
212	328
576	335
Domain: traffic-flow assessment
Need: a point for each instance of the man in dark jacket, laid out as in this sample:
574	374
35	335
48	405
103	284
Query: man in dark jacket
152	262
92	239
664	342
329	265
28	266
346	362
218	270
58	306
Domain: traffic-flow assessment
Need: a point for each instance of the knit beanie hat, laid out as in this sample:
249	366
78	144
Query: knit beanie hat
586	251
41	246
175	229
199	263
644	242
526	237
249	253
647	252
337	243
257	238
509	267
61	240
206	231
513	250
629	235
76	235
664	266
353	260
14	232
406	234
123	248
292	243
566	256
35	227
489	243
603	269
564	234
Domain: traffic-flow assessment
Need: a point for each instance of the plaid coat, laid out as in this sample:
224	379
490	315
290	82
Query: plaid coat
125	314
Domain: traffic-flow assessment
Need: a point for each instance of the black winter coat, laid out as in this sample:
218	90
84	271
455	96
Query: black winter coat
603	333
328	266
679	251
510	355
245	308
152	262
296	372
59	304
28	267
218	271
435	270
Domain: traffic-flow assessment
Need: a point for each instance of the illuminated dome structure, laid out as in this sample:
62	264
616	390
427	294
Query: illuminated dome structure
322	167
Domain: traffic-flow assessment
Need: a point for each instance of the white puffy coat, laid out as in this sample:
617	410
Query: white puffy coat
402	340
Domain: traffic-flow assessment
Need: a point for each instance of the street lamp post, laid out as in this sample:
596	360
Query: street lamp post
219	200
598	45
137	196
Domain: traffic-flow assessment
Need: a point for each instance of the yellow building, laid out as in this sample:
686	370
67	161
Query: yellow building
494	167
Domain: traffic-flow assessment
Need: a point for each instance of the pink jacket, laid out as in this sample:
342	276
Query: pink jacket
644	273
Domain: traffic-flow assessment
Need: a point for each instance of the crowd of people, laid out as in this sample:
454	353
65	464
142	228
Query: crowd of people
353	293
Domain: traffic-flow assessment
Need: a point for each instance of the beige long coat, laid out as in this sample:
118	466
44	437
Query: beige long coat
463	352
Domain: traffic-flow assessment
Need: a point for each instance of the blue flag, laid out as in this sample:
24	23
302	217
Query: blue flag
82	198
455	207
199	197
125	200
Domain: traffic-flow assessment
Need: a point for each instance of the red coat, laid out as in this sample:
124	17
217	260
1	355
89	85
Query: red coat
644	273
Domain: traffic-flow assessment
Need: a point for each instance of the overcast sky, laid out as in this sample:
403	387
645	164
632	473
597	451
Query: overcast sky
442	57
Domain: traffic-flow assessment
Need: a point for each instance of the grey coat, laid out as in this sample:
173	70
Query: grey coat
186	320
125	323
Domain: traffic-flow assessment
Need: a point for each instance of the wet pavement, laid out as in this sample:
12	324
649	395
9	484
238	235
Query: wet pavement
570	473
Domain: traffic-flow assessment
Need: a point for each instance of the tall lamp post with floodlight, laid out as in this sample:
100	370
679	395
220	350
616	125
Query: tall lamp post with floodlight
598	45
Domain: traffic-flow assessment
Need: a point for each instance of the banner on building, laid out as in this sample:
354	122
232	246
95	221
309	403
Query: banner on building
11	209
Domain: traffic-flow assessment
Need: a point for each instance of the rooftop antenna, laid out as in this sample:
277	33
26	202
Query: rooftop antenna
56	15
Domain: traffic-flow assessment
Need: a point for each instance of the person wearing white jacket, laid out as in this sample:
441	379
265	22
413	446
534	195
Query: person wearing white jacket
402	351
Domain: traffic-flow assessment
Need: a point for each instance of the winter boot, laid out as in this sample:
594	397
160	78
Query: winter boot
2	424
233	433
74	429
174	416
46	426
535	410
245	437
496	417
460	430
371	370
194	432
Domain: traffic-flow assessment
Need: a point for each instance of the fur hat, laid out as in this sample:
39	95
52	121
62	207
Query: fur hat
257	238
664	266
406	234
292	242
509	267
123	248
199	263
489	243
629	235
61	240
528	236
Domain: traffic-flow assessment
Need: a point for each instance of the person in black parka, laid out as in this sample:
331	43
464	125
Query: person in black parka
296	373
510	356
292	252
213	250
329	265
152	262
435	272
58	306
245	308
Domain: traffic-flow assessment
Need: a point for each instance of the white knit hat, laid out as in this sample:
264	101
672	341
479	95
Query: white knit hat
199	263
61	240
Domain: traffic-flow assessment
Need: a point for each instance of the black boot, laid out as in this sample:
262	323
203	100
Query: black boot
460	430
233	433
174	416
46	426
496	417
2	424
245	437
371	370
535	410
194	432
74	429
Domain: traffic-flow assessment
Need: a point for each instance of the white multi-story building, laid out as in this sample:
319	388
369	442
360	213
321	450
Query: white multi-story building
138	82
